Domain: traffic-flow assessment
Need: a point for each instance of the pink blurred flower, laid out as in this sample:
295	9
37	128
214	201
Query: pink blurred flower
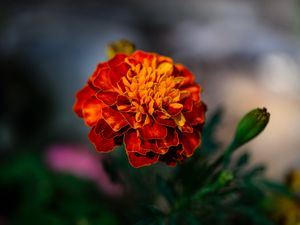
78	161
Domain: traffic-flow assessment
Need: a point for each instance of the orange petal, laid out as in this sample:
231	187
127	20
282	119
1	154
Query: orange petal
153	131
190	141
197	115
114	118
91	111
108	97
174	108
136	160
85	93
101	144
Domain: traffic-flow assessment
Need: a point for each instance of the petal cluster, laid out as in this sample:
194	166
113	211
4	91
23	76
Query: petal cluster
147	102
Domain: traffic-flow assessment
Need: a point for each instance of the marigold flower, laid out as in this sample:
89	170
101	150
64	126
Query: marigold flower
145	101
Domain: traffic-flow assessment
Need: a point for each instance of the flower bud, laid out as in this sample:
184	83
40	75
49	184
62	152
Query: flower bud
252	124
121	46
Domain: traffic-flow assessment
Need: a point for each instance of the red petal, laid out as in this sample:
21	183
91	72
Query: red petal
91	111
153	131
190	141
173	155
196	116
133	142
194	91
174	108
130	118
170	140
81	97
117	73
108	97
123	104
151	145
187	104
114	119
187	128
102	80
117	60
136	160
101	144
140	56
160	119
184	72
105	130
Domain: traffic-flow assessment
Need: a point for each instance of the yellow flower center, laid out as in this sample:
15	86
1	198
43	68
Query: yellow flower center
151	86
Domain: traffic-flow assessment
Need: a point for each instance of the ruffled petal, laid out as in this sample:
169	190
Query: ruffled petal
101	144
102	80
162	119
116	73
105	130
151	145
190	141
187	128
114	118
153	131
187	104
123	104
194	90
196	116
133	142
174	108
173	156
107	97
91	111
85	93
137	160
170	140
184	72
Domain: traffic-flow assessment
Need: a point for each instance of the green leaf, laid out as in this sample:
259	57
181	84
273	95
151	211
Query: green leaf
242	160
254	215
209	143
165	189
277	187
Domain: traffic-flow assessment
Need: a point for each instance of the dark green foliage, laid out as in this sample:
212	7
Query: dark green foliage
41	197
204	190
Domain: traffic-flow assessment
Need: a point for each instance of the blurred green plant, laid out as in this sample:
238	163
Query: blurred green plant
212	187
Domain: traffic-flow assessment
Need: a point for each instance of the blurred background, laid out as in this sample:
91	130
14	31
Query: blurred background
245	54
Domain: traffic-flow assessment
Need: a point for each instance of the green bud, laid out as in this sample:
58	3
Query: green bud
121	46
251	125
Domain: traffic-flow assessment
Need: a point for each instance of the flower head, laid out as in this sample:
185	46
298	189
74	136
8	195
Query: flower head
146	101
